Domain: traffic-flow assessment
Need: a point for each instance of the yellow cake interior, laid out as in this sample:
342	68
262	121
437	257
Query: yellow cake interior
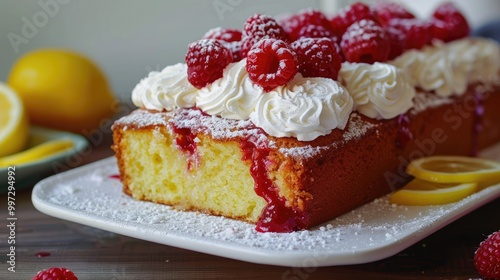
217	184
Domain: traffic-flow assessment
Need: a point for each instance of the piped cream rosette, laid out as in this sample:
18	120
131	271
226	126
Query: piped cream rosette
305	108
233	96
165	90
447	69
379	90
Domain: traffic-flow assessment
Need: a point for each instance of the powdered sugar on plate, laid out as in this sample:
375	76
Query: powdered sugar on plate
91	195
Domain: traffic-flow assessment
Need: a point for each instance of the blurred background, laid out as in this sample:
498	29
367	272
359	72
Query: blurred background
129	38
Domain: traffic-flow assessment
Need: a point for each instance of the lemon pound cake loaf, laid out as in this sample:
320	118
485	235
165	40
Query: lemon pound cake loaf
292	122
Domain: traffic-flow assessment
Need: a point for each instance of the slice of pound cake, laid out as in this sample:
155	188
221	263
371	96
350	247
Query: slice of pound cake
292	122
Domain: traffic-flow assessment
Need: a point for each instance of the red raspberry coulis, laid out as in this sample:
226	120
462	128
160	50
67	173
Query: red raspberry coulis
276	216
185	141
477	125
114	176
42	254
404	134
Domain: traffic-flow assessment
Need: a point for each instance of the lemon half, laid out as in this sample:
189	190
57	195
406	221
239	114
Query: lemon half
14	124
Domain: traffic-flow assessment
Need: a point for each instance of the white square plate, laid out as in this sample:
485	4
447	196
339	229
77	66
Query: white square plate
90	196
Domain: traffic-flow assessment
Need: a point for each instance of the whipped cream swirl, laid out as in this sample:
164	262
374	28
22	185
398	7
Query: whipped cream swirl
479	58
233	96
434	69
447	69
305	108
379	90
165	90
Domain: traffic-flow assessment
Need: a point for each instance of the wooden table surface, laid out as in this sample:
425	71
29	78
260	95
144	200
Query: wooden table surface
43	242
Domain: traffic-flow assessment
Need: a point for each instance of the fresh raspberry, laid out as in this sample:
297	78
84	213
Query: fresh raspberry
448	23
231	38
487	257
55	273
318	57
258	27
385	11
206	60
271	63
296	22
396	40
349	15
416	31
316	31
223	34
365	41
235	48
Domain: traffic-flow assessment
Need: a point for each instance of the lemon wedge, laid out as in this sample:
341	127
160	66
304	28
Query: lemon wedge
421	193
14	124
455	169
37	152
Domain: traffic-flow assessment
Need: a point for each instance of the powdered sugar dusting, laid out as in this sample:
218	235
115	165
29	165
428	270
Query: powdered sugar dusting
142	118
221	128
216	127
87	195
303	151
424	101
356	129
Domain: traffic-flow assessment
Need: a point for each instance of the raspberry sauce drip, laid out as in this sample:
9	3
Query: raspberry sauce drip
185	141
114	176
42	254
477	123
404	134
276	216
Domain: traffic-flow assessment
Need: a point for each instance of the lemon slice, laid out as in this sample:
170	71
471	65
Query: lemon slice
455	169
36	153
14	124
421	193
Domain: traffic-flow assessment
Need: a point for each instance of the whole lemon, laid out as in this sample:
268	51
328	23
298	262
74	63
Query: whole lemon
62	89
